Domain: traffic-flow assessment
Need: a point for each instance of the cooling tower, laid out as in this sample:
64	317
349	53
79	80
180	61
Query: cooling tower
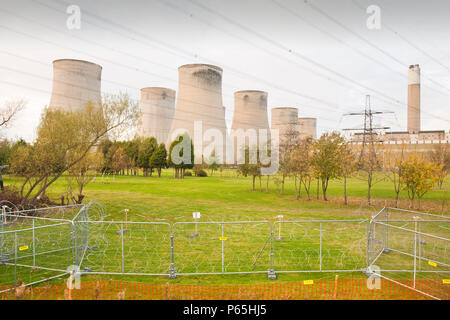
307	127
157	107
286	121
199	98
250	112
414	99
75	82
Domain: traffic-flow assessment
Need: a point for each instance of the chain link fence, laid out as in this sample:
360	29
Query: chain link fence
39	245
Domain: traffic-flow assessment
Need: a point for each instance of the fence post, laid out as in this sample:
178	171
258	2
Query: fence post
223	258
123	259
15	258
415	250
172	269
34	245
271	273
420	247
368	243
320	248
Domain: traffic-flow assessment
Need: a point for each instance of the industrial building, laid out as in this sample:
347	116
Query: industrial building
199	98
75	83
250	113
414	134
307	127
285	120
157	107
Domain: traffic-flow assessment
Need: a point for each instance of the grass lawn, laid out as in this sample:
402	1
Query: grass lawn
226	197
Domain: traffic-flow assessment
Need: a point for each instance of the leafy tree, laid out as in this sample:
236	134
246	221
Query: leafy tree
181	167
326	159
369	163
348	166
440	155
394	160
146	149
64	138
250	169
158	159
131	149
418	176
81	174
303	165
213	166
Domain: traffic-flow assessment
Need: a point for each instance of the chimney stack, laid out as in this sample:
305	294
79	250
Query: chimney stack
414	99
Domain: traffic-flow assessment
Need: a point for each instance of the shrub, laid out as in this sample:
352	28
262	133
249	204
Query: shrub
201	173
188	174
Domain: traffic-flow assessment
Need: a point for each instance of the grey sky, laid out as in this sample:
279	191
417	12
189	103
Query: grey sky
291	51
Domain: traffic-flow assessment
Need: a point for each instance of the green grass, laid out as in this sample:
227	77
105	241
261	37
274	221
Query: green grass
227	198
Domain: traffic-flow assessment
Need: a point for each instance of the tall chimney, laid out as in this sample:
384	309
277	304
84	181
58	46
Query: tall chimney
414	99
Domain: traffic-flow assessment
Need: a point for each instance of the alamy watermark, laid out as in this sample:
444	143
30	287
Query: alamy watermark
239	147
74	19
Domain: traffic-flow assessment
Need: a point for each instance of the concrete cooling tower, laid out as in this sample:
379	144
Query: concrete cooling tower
250	112
307	127
414	99
199	98
75	83
286	121
157	107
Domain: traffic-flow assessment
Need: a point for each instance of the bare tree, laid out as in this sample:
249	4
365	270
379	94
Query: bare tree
9	111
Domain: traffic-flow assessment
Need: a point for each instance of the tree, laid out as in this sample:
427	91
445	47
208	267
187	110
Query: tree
158	159
213	164
176	157
326	159
82	173
369	163
348	166
394	161
146	149
64	138
131	150
302	165
9	112
418	176
440	155
251	169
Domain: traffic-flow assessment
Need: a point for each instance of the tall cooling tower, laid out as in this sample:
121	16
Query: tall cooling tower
286	121
157	107
250	112
199	98
414	99
75	83
307	127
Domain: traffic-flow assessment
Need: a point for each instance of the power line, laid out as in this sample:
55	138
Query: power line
295	14
407	40
326	15
282	47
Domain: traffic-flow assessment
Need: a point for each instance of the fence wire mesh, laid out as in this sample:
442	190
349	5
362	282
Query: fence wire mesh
411	249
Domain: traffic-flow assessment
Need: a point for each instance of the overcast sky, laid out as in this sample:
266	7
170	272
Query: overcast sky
318	56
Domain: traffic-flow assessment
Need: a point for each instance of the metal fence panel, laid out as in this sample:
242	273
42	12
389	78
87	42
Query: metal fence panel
221	247
128	247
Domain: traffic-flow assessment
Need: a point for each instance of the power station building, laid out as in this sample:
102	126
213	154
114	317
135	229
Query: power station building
285	120
199	99
157	108
307	127
250	114
75	83
414	134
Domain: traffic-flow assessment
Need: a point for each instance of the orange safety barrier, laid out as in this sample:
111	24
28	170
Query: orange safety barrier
328	289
